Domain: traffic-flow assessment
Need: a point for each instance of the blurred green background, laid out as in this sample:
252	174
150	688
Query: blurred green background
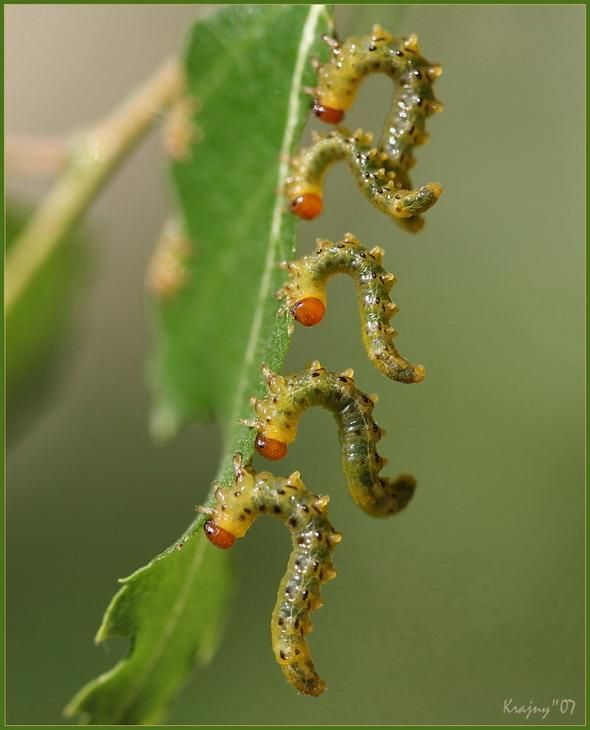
476	593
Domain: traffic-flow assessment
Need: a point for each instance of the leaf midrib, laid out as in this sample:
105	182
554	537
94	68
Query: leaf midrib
277	217
252	343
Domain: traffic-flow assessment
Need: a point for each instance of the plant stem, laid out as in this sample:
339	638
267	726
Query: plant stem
95	155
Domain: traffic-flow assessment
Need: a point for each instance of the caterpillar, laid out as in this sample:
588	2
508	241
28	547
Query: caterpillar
382	171
277	420
339	79
305	298
305	514
386	188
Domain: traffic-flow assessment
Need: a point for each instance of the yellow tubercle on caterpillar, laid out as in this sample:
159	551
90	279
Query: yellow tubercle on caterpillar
434	72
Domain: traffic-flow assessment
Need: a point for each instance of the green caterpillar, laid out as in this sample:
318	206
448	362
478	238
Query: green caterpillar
278	416
309	566
386	188
382	171
400	59
305	298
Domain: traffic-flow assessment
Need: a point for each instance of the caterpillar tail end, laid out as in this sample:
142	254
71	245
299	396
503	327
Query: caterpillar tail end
308	684
411	225
402	490
395	496
411	203
409	374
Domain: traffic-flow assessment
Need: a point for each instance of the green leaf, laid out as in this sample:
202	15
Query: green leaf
245	67
37	325
173	611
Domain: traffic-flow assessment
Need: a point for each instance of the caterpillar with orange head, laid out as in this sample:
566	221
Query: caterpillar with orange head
277	418
305	298
387	189
305	514
381	171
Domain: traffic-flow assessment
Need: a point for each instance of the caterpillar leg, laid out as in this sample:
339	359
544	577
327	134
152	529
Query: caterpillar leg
305	298
277	418
310	564
380	182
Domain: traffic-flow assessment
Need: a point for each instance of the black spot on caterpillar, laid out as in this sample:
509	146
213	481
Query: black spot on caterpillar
278	417
309	566
381	172
305	297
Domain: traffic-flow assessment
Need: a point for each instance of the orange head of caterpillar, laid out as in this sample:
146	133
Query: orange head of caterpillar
218	536
327	114
271	449
308	311
307	206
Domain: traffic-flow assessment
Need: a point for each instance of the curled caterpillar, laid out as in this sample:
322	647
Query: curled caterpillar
278	417
381	172
386	188
305	297
339	79
310	564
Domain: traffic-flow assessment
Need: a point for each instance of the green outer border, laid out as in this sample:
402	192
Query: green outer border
3	426
3	568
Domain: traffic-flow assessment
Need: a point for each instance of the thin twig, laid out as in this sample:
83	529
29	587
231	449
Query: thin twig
94	157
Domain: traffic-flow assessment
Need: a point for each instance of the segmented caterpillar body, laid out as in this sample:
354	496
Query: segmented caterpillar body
305	297
388	189
277	418
310	564
339	79
381	172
